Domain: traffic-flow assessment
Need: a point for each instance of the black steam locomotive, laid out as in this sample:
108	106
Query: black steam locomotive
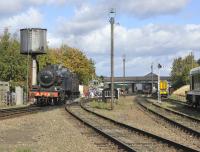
55	85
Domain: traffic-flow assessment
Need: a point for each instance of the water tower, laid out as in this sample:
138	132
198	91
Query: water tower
33	42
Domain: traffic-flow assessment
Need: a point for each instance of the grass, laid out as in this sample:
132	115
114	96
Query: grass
23	150
100	104
176	97
118	104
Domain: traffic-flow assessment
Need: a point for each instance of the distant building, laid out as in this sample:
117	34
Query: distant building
137	83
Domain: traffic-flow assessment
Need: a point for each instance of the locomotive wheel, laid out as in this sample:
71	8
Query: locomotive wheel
55	101
40	102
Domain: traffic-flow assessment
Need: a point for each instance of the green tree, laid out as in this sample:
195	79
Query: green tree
180	70
12	63
72	58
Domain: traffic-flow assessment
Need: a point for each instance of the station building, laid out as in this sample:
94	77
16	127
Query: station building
135	84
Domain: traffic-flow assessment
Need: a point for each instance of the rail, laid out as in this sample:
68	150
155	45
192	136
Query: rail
116	139
172	120
21	111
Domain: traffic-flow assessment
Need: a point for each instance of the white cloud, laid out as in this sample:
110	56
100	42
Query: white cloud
90	17
136	8
30	18
15	6
150	43
148	40
53	41
76	27
89	30
148	8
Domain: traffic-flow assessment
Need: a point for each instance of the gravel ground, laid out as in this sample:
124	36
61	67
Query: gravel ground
133	139
51	131
127	111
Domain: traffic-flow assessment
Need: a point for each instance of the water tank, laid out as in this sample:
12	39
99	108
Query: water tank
33	41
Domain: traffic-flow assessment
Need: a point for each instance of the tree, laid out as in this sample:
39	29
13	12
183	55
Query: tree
73	59
180	70
12	63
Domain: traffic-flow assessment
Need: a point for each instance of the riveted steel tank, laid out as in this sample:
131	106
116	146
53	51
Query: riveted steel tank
33	41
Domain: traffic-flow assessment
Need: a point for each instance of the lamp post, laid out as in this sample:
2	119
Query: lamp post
112	21
159	67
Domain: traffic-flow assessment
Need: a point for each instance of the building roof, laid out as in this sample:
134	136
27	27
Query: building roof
195	70
147	77
150	75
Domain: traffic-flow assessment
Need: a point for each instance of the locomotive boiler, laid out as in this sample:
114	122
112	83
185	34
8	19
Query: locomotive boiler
55	85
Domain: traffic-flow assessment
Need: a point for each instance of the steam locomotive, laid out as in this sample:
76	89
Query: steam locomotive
55	85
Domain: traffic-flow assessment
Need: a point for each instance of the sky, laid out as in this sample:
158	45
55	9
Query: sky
146	31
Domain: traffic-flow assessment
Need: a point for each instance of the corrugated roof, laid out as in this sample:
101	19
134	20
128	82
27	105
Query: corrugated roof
147	77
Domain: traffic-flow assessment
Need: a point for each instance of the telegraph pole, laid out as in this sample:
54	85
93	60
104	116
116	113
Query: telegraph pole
192	60
152	78
124	62
112	21
159	67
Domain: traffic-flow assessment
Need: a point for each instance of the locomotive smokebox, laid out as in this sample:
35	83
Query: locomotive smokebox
33	41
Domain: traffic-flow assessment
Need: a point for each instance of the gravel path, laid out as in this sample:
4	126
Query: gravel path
51	131
127	111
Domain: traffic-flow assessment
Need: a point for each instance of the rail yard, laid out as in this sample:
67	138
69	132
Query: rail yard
129	127
99	76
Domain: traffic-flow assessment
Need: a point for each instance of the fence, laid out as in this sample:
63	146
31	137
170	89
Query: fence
3	97
7	98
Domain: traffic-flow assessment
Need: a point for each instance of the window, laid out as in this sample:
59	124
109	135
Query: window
196	82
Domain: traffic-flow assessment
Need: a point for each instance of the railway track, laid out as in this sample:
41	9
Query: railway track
184	122
181	106
16	112
177	113
126	137
180	102
184	104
